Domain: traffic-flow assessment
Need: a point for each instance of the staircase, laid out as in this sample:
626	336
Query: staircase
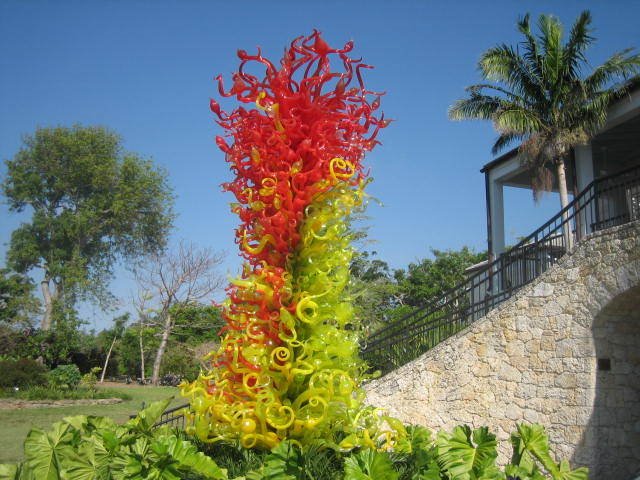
606	202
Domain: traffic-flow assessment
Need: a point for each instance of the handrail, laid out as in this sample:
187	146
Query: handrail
173	416
603	203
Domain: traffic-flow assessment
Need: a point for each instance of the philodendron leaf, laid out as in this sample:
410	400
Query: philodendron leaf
283	463
466	454
82	466
565	472
44	450
77	421
535	441
187	456
369	465
9	471
514	471
147	418
92	461
20	471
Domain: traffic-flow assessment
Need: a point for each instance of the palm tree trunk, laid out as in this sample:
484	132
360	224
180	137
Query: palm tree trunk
564	202
106	362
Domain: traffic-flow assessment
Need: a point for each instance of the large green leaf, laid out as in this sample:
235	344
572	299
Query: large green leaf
77	421
521	473
92	461
283	463
147	418
188	457
44	450
20	471
468	455
9	471
535	441
565	472
369	465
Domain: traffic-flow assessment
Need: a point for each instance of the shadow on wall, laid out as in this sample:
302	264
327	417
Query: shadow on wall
611	443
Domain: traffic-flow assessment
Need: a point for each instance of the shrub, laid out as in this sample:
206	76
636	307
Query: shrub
65	377
22	373
90	379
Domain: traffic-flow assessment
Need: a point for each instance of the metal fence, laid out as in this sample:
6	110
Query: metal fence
605	203
174	417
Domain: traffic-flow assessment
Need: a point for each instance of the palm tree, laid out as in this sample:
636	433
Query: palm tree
541	97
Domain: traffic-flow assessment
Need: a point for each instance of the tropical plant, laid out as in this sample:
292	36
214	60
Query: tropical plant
542	98
95	448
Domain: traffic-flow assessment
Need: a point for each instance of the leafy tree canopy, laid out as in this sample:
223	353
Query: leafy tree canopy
430	278
17	302
91	204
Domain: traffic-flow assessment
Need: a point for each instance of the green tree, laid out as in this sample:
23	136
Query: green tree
374	290
18	305
542	98
91	204
430	278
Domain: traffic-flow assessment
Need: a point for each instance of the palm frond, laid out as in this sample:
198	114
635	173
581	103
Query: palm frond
505	140
517	120
504	64
477	107
579	39
509	95
619	65
530	47
551	40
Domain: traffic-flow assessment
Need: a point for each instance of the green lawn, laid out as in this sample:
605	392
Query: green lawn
15	424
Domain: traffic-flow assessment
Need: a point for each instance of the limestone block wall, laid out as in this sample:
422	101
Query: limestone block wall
535	359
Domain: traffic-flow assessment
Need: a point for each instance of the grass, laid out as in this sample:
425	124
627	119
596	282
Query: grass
15	424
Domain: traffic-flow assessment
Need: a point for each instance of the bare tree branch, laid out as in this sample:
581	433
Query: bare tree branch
183	276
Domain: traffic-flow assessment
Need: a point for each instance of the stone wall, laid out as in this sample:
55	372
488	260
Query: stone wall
534	359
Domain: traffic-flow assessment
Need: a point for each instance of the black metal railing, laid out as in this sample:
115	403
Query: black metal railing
605	203
174	417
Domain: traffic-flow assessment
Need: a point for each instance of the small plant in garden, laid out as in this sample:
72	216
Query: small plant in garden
90	379
65	377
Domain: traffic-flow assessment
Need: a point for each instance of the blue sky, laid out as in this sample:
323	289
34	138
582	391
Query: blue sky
146	69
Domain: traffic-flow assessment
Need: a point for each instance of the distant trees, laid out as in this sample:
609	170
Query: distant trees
432	277
91	203
177	280
381	297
